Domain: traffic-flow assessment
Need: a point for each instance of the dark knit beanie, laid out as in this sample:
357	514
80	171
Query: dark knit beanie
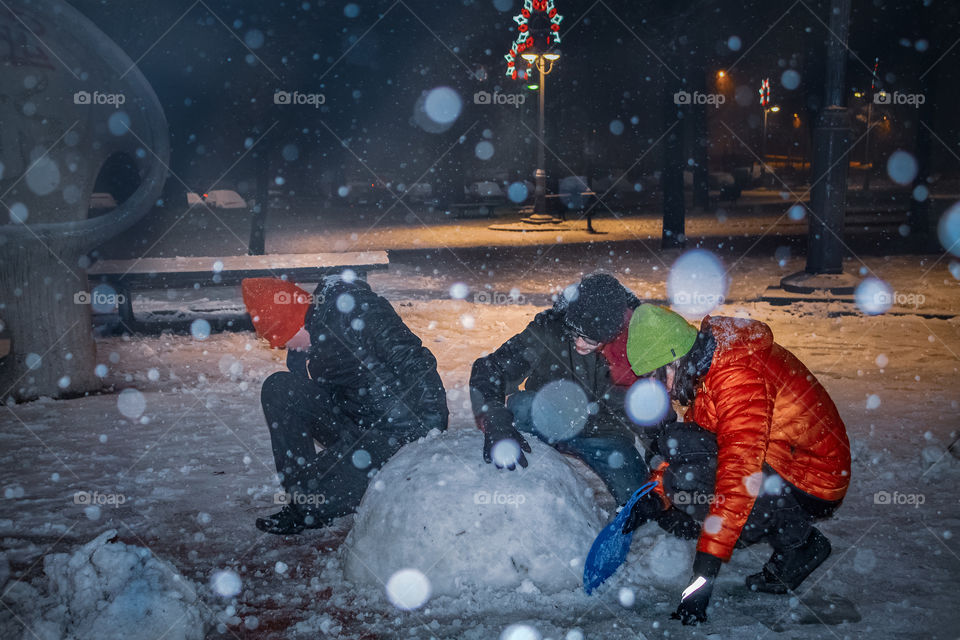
598	309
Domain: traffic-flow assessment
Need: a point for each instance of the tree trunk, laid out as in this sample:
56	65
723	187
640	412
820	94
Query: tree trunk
52	350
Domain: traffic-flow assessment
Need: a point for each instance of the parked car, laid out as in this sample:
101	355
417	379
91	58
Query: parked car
485	191
370	192
419	192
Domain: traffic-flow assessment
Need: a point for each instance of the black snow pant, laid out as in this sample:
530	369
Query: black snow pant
782	514
325	485
608	449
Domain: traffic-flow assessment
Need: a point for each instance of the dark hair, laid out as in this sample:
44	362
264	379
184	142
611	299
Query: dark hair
691	368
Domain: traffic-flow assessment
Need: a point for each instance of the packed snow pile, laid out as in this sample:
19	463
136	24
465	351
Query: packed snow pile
437	519
110	590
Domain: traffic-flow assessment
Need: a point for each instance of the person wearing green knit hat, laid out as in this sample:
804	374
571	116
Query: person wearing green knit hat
657	337
762	453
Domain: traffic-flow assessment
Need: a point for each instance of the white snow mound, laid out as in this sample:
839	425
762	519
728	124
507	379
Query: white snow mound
436	507
113	591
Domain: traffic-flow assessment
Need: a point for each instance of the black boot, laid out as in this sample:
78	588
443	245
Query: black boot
788	568
285	522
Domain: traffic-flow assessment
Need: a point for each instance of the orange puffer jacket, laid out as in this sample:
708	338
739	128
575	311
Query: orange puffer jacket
764	407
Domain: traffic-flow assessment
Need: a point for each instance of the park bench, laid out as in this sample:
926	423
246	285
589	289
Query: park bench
127	276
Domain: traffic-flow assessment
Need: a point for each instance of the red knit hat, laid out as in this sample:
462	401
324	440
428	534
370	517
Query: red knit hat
277	308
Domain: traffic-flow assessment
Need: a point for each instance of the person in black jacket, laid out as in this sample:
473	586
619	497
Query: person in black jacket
568	399
363	388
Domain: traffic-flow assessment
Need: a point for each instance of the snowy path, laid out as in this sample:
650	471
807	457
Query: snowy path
198	470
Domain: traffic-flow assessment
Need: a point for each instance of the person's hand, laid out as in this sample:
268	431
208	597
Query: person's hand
646	508
498	427
696	597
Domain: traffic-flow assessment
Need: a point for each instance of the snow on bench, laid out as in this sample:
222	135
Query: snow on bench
126	276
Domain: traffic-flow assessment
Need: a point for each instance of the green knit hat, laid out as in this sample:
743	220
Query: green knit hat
657	337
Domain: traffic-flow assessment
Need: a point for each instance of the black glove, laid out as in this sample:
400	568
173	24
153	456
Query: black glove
696	597
676	522
498	425
646	508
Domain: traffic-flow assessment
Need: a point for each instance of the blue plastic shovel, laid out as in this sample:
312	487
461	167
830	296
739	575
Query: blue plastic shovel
611	546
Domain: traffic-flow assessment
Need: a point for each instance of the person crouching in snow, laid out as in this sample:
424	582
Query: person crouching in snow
363	386
562	347
781	461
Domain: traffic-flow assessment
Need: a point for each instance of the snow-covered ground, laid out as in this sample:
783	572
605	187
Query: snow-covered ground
181	465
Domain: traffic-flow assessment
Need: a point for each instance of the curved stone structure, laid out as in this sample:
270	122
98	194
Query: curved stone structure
70	98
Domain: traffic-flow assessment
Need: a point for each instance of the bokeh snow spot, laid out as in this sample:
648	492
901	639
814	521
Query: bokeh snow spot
443	105
408	589
713	524
647	402
345	303
902	167
505	453
200	329
131	403
517	192
697	283
226	583
873	296
361	459
559	410
484	150
43	176
520	632
948	230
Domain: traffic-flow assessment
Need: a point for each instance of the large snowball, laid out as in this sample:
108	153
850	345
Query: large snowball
437	508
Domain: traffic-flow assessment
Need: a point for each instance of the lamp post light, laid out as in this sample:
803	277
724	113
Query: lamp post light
544	64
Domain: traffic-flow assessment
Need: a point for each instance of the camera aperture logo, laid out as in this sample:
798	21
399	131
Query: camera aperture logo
302	499
512	499
499	298
899	298
114	100
298	98
697	98
897	98
897	498
687	498
97	499
485	97
103	298
285	297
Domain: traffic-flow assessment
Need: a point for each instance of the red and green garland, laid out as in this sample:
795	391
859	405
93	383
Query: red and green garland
525	39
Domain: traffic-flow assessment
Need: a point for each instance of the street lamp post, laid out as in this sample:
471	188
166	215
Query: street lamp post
544	65
824	269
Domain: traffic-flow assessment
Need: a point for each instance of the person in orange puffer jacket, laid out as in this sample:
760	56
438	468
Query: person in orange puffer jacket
782	457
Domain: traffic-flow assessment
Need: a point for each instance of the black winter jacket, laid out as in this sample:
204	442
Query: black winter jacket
380	373
542	353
